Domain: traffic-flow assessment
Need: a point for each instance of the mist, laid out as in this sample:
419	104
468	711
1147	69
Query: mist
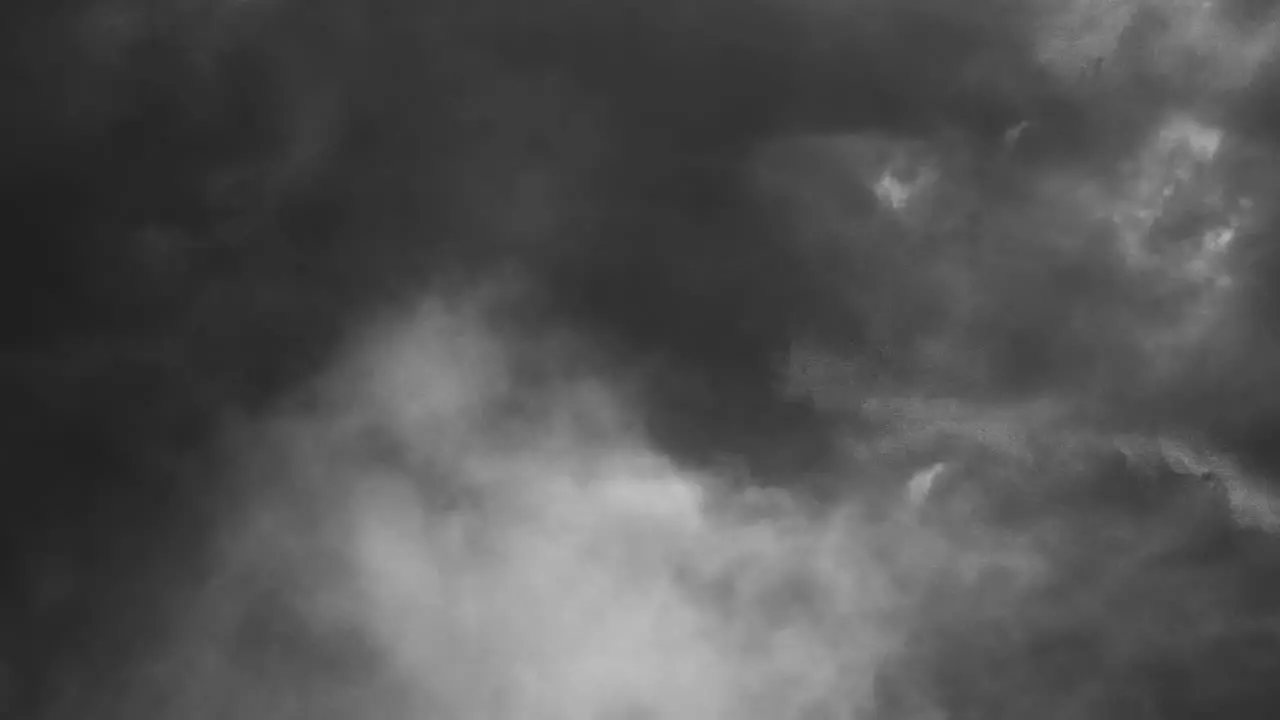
676	360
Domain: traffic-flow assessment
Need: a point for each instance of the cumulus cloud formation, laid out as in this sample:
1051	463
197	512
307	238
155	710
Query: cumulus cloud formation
479	559
539	568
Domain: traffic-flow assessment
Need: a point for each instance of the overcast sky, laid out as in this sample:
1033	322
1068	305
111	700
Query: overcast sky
943	276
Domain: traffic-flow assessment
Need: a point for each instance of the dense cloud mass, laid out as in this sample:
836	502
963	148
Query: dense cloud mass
683	359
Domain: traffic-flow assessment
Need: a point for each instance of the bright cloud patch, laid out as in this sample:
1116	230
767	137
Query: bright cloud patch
1185	41
540	568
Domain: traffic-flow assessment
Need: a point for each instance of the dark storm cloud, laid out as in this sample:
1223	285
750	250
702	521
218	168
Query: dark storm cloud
205	198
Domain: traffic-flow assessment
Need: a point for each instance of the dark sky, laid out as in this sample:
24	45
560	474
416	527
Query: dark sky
202	200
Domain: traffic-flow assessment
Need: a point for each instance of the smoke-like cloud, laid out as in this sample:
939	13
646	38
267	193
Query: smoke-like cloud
984	294
435	530
547	562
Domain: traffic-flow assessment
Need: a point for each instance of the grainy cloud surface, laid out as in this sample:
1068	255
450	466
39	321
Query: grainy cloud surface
709	359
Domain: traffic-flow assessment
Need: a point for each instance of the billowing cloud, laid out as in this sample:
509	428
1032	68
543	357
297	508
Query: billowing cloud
538	565
868	358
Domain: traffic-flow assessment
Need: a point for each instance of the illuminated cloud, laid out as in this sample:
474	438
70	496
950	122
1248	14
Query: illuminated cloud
1187	42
